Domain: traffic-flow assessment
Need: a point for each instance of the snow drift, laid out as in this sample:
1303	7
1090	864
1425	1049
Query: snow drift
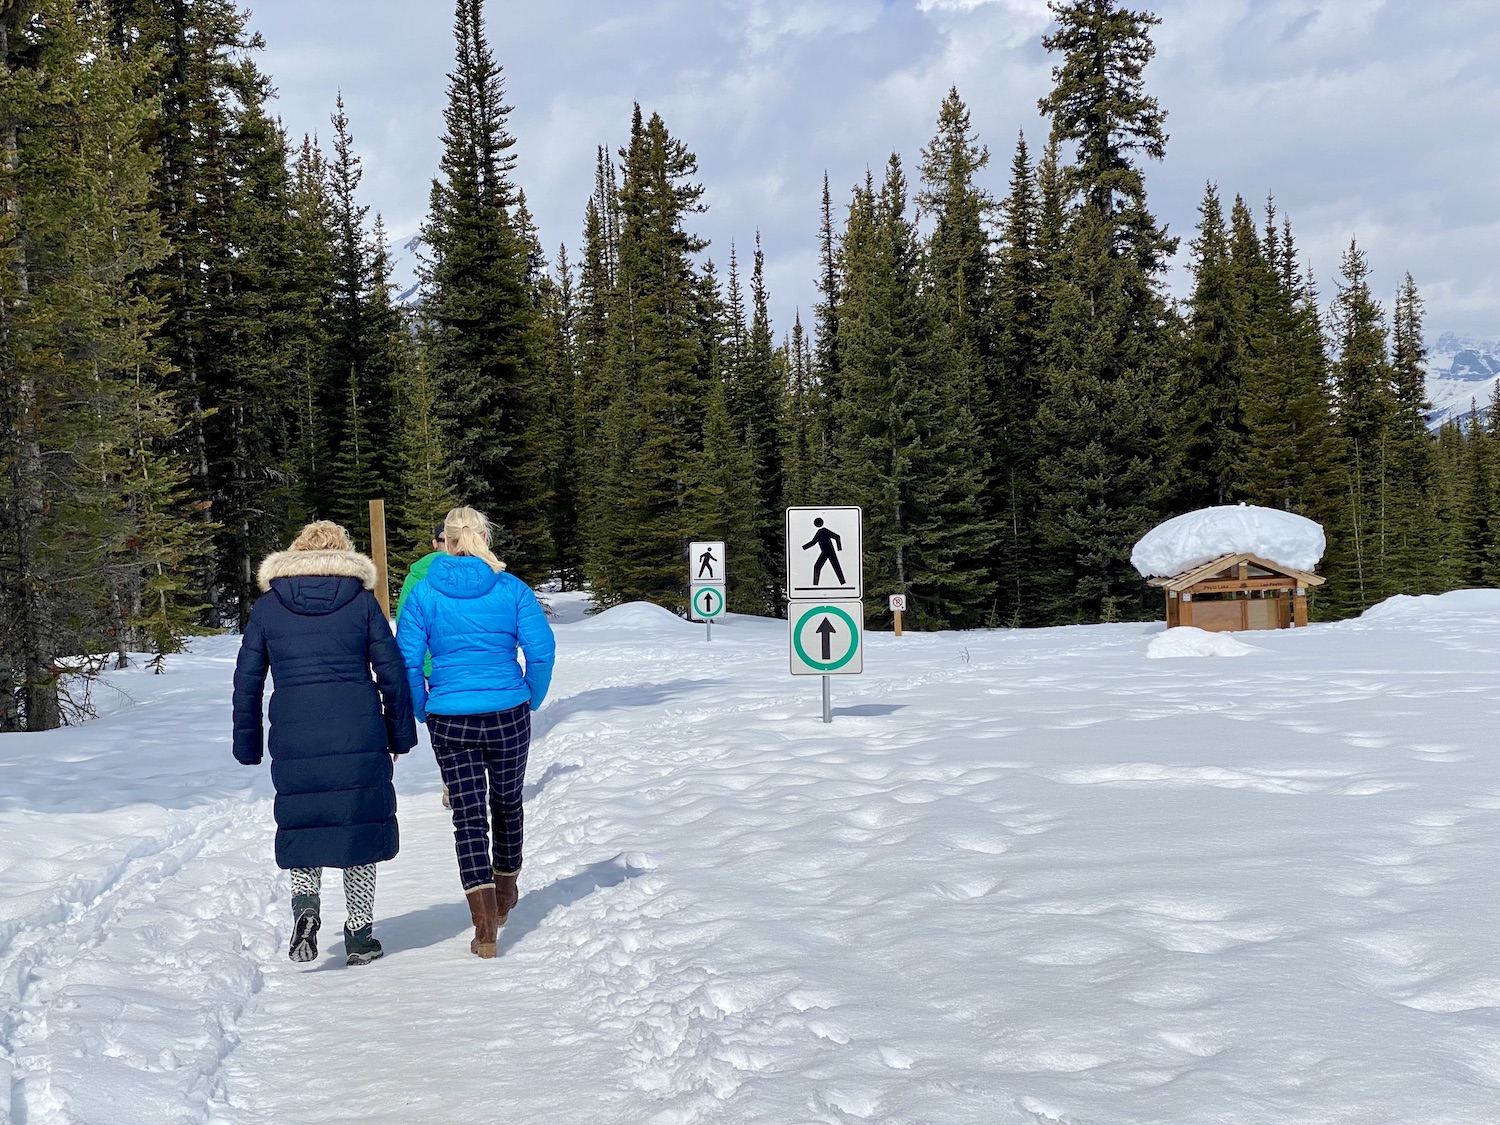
1472	606
1200	537
1185	640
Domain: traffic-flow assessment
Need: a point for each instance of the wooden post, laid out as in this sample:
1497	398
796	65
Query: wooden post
1171	608
1185	609
898	622
1299	608
377	552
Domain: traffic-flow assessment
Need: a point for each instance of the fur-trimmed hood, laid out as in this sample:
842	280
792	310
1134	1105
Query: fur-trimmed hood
317	564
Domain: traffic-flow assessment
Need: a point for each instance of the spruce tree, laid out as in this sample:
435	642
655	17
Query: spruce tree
804	448
421	463
826	363
1293	453
959	269
481	312
93	519
361	323
1360	554
221	191
653	358
760	391
1012	389
599	460
1210	423
1476	525
309	269
567	407
725	502
910	447
1100	429
1414	533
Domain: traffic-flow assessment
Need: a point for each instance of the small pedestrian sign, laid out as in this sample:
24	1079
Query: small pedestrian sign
824	554
827	638
706	564
707	603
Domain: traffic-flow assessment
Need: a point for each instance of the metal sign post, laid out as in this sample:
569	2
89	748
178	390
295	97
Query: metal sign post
706	583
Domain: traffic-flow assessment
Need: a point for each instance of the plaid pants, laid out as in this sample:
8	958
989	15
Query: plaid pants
359	890
484	756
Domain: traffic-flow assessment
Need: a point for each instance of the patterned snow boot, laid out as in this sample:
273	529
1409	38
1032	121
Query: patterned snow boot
305	923
506	895
486	918
361	946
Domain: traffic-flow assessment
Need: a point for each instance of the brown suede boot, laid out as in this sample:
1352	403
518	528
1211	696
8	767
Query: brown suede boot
506	894
483	911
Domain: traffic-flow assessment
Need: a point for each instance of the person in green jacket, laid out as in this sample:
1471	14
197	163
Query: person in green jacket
416	574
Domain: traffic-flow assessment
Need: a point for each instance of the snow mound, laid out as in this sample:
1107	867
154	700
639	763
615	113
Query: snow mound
1403	609
1188	641
641	618
1200	537
566	607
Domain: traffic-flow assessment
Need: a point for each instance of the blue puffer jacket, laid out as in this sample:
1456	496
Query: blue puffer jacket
471	620
319	632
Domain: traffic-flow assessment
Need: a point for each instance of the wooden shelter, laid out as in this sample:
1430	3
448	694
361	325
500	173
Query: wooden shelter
1237	592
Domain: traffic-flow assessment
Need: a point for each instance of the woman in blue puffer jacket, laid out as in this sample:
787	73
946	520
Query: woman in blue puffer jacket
471	616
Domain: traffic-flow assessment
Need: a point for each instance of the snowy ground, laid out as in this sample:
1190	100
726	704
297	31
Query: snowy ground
1023	877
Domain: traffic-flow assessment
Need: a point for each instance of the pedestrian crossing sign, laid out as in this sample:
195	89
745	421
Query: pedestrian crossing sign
824	554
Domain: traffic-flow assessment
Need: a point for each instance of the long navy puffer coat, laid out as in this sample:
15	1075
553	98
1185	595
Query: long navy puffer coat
319	631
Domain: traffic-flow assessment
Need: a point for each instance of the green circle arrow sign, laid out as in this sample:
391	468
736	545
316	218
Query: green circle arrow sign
825	665
708	602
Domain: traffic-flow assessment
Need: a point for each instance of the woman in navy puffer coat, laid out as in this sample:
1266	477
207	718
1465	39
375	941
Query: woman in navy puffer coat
472	616
319	631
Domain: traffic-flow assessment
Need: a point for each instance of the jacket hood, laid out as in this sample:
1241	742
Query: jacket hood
314	583
462	576
318	564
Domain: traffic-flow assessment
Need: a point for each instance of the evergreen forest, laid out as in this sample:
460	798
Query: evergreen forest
201	352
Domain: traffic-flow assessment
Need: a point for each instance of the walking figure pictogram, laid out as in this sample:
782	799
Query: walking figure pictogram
706	563
829	545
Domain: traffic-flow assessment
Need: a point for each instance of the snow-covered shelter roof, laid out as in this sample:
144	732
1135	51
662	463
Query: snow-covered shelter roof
1185	542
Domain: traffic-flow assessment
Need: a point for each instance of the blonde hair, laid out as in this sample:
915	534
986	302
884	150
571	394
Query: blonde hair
323	535
467	532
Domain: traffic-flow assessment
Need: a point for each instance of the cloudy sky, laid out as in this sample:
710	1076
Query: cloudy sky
1373	119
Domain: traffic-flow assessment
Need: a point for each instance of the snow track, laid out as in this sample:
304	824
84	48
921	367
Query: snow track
104	989
1023	878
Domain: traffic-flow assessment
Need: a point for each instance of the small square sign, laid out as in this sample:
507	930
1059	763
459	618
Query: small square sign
706	564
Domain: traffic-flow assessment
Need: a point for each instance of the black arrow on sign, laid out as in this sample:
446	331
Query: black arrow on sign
708	601
826	631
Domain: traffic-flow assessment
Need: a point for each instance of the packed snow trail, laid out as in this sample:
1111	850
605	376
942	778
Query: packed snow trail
1023	877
